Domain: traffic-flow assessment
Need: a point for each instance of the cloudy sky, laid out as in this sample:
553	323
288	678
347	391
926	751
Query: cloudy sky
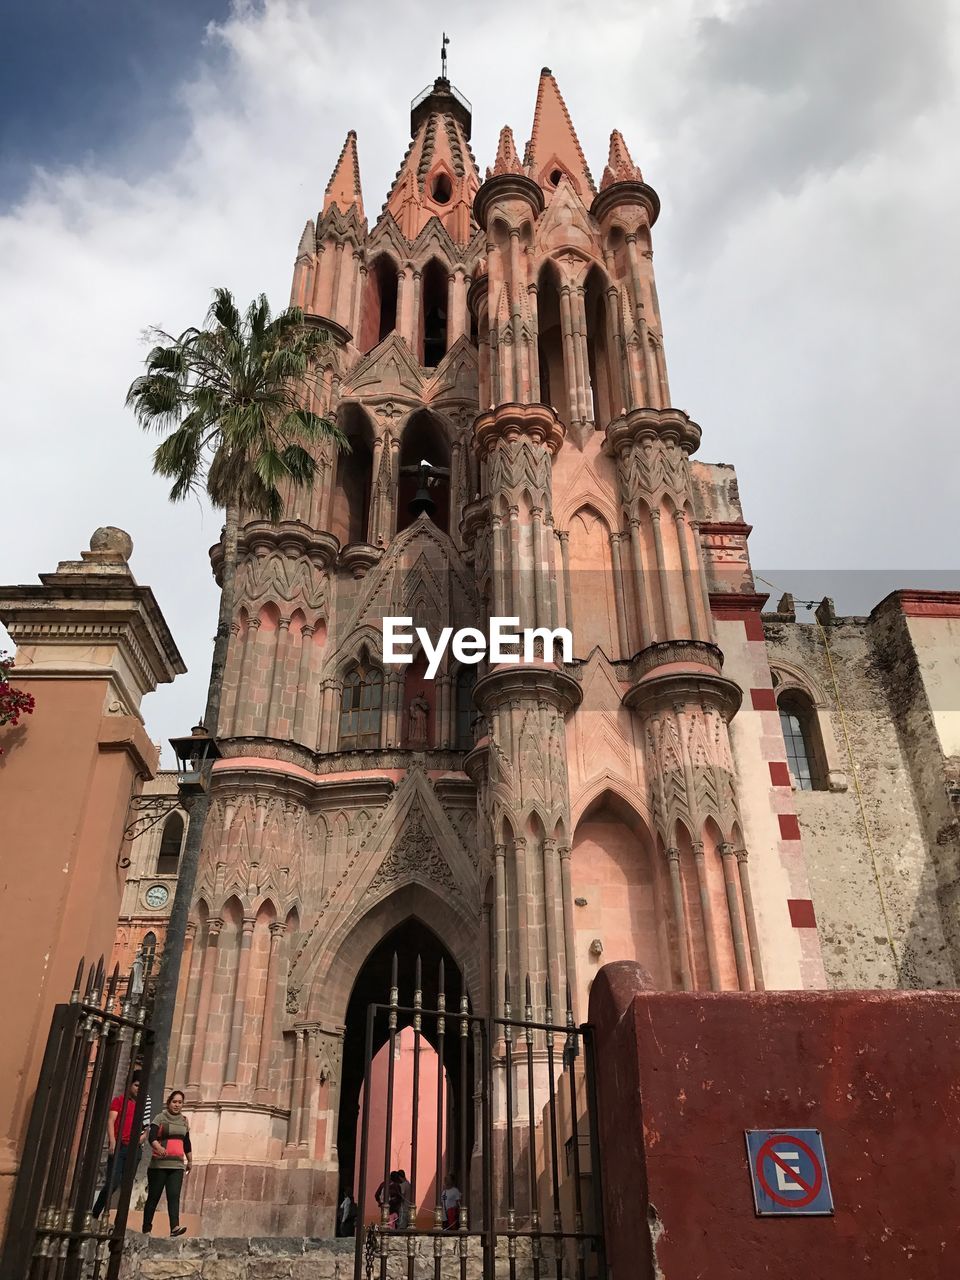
804	151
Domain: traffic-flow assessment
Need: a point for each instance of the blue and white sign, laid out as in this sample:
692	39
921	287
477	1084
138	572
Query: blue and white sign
788	1170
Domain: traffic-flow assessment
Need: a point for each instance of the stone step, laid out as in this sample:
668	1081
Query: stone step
296	1258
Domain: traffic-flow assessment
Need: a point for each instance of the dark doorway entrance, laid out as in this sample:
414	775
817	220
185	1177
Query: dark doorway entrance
407	941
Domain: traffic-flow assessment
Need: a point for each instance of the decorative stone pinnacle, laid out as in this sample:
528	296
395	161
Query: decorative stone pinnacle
109	545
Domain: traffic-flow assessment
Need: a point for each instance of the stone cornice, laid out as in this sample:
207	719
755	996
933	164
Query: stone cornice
127	734
534	680
916	603
339	334
620	193
691	654
729	527
658	424
507	186
658	692
359	557
734	604
291	537
510	421
84	610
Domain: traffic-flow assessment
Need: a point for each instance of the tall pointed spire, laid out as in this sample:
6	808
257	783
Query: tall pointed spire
438	177
343	189
507	160
554	149
620	166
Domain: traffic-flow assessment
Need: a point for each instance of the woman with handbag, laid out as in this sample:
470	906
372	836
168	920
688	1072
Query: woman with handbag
169	1139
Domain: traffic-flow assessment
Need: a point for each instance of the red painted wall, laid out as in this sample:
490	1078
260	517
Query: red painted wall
682	1075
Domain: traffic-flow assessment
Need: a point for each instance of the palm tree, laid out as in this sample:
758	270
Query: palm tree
230	398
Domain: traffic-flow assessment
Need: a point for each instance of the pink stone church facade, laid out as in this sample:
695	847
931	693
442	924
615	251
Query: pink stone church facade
698	790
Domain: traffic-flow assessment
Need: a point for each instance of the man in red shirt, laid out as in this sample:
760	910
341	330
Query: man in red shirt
119	1133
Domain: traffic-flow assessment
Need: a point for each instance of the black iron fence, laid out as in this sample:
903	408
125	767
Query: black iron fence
529	1176
96	1043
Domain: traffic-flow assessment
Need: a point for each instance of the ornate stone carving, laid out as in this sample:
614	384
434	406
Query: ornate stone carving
516	465
416	853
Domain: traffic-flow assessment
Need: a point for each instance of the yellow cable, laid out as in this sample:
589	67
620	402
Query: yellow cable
856	783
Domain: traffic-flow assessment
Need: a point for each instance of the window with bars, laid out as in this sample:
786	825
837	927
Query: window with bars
360	707
801	737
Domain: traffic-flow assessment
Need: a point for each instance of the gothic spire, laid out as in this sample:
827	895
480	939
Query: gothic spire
554	149
507	160
343	189
620	166
438	175
308	241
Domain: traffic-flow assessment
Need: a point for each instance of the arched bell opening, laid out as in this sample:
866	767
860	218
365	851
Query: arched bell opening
598	352
424	472
553	386
440	1093
378	315
351	498
432	341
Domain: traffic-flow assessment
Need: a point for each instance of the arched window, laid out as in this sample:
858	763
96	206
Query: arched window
466	711
433	319
168	859
351	498
598	357
360	707
553	386
378	314
148	953
424	442
801	736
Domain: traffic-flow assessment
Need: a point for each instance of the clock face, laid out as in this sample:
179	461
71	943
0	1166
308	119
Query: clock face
157	895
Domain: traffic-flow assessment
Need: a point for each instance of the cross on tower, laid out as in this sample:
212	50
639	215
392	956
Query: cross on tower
443	56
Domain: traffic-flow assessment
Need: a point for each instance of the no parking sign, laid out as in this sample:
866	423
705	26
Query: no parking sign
788	1170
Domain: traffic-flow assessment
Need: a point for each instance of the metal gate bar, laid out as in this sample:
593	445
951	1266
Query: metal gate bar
521	1040
95	1042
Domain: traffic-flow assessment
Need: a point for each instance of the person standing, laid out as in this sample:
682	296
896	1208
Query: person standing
172	1158
450	1199
347	1215
404	1219
120	1141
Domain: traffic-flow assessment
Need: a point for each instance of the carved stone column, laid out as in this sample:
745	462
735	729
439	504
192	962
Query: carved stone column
240	1003
203	1007
270	998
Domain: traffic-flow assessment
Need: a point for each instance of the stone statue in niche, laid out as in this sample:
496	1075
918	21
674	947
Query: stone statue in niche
417	721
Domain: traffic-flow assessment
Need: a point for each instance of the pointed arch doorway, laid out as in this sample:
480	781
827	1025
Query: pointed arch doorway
444	1099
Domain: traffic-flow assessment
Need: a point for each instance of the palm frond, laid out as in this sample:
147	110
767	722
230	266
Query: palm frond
231	395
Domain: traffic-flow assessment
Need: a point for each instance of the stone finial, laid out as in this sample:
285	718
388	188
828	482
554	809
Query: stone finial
110	545
620	166
507	161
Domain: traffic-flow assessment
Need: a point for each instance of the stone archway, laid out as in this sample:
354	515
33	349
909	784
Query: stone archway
409	940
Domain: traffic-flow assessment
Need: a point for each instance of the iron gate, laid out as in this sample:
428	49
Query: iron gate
522	1197
95	1043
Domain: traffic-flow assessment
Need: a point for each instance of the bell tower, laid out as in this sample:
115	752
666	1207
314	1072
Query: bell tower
496	362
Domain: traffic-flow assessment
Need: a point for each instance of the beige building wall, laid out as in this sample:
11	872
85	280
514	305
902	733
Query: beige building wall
872	876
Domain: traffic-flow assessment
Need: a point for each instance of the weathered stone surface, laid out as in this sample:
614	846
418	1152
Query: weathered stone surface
299	1258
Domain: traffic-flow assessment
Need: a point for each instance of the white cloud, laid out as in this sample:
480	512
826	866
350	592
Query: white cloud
804	255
